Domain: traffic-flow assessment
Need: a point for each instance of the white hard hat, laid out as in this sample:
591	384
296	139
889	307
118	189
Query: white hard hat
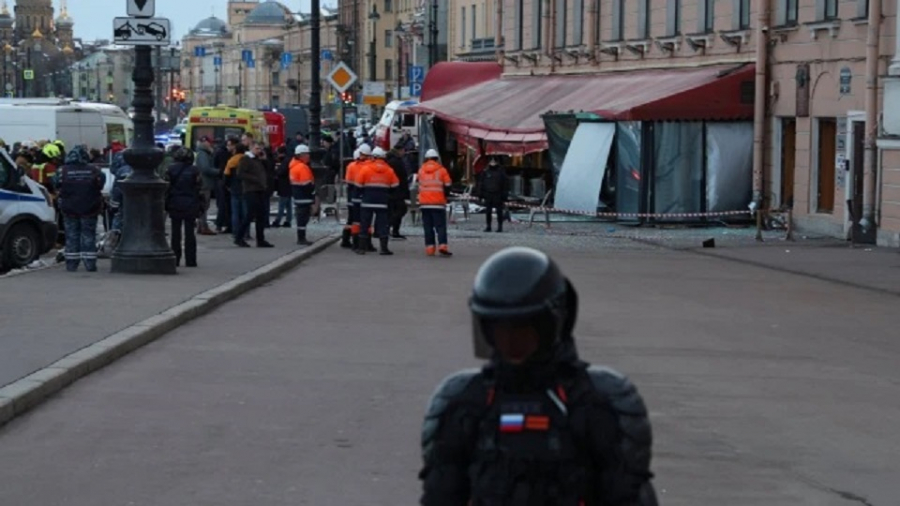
365	149
356	154
378	153
431	153
301	149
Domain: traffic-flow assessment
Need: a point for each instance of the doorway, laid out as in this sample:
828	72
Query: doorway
857	169
827	152
788	159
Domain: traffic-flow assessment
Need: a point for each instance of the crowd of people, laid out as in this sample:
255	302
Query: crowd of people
242	175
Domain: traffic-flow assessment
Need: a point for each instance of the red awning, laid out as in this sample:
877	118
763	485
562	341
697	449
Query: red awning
509	109
448	77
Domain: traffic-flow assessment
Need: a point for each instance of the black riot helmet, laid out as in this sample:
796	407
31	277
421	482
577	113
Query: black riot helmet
526	287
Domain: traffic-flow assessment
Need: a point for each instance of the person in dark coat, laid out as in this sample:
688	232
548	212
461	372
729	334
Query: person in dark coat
251	171
397	204
283	188
492	190
184	203
223	195
80	201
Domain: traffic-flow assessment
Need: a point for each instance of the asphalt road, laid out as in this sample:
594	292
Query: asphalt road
764	387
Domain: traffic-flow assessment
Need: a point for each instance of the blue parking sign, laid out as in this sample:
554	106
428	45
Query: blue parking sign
415	89
247	55
200	51
416	74
217	61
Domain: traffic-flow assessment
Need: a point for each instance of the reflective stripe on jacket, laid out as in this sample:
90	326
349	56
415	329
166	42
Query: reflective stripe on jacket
433	182
303	184
377	180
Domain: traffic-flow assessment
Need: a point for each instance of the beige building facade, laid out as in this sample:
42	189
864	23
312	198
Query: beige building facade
813	94
242	62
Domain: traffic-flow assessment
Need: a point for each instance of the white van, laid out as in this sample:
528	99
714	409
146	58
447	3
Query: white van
397	118
27	218
94	125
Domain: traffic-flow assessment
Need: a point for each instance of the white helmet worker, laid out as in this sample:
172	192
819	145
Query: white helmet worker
378	153
365	150
431	153
301	149
356	154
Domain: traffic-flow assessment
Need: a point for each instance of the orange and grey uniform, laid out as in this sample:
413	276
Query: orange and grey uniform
303	190
434	183
354	194
43	173
376	181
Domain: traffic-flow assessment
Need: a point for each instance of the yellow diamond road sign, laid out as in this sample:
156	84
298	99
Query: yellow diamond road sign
342	78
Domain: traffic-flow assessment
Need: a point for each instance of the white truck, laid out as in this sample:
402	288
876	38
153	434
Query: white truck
27	218
94	125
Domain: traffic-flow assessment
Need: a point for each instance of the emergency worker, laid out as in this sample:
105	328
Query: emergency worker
536	425
350	182
303	189
44	171
434	184
80	200
492	189
354	192
376	181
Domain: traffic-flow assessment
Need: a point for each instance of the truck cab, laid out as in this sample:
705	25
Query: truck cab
27	219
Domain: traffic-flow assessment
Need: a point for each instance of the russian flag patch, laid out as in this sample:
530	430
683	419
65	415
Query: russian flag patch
512	423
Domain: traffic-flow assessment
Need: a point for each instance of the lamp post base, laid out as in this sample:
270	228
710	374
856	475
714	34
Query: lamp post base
143	248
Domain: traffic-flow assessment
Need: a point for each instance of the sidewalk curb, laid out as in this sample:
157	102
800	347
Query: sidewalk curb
26	393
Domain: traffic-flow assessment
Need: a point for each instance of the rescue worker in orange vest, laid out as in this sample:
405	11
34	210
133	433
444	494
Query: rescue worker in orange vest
354	196
434	183
376	181
303	190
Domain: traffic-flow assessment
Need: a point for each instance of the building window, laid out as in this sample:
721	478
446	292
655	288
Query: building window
276	101
643	31
707	16
388	70
826	9
618	19
862	9
786	15
741	14
578	23
474	21
462	27
519	25
388	6
388	38
826	156
673	17
595	12
561	23
537	14
276	78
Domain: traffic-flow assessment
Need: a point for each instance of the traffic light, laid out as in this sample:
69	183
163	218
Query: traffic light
347	97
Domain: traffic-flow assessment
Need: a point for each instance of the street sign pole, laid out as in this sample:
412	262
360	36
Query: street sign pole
142	248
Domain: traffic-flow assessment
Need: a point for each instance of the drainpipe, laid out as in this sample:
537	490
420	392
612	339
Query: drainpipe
498	36
867	224
759	104
551	32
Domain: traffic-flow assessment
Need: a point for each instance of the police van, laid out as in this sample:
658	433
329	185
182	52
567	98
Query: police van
27	218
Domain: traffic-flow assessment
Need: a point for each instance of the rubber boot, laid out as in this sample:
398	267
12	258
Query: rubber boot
429	250
368	245
301	238
362	249
384	249
445	251
345	239
354	239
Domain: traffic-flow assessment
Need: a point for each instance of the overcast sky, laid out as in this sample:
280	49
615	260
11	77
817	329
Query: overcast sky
93	18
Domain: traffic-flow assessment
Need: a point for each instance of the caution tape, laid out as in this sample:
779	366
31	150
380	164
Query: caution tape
545	209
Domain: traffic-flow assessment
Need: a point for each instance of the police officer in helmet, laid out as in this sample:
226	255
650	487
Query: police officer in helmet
536	425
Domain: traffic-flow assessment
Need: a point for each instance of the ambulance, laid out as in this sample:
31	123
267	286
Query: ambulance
220	122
